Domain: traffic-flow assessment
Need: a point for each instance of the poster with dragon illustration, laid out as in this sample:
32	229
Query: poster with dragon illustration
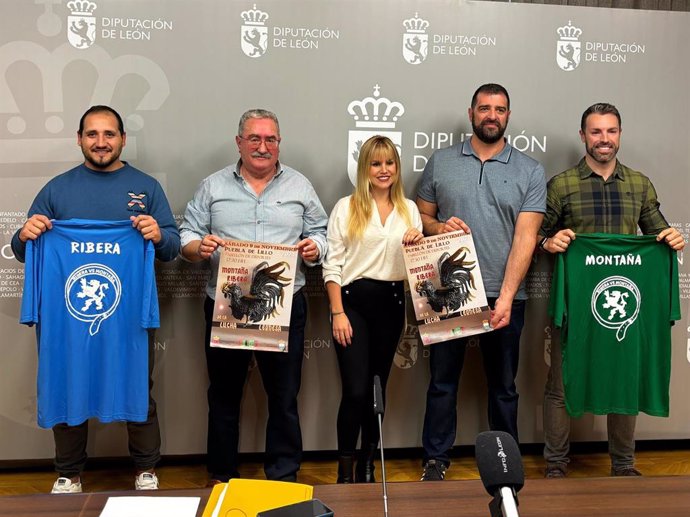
254	296
446	287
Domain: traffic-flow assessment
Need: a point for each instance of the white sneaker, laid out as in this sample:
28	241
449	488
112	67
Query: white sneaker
146	481
65	486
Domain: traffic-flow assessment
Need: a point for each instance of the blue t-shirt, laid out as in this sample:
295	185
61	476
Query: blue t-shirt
90	288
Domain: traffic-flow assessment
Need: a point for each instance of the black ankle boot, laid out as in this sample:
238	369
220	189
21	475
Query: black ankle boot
345	465
364	473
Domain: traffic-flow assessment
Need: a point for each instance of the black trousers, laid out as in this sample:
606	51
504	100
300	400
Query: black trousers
281	375
376	310
144	437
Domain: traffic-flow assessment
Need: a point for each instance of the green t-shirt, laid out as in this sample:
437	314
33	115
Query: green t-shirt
616	298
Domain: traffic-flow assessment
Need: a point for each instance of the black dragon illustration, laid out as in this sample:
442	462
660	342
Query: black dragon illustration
456	281
265	293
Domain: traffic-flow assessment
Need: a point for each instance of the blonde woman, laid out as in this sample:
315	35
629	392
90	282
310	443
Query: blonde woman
364	276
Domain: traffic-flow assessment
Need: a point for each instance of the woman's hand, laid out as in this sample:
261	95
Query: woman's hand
412	236
342	330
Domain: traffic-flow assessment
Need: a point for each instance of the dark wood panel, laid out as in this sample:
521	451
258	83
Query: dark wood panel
610	497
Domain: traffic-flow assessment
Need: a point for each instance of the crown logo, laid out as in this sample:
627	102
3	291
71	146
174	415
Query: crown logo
416	25
376	111
569	32
254	16
81	7
24	133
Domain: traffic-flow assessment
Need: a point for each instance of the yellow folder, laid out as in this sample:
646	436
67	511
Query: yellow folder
247	497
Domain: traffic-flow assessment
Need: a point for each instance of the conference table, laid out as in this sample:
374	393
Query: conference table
610	497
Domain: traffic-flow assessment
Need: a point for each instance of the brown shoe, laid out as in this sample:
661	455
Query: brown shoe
555	471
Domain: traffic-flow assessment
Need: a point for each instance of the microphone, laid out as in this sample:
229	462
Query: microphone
500	467
378	410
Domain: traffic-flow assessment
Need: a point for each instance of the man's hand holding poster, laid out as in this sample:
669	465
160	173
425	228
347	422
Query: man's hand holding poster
446	287
254	296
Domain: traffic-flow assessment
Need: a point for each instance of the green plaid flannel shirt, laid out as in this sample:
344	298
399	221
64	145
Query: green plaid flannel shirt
581	200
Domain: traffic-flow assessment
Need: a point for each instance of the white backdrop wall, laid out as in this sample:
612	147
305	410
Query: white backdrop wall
182	72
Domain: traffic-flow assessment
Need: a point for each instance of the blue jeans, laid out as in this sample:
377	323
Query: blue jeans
281	375
500	352
621	428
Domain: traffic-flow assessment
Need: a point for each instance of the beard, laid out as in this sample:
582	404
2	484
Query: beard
488	135
599	157
101	162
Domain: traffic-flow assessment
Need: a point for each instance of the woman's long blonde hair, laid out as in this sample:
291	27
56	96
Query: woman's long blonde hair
361	200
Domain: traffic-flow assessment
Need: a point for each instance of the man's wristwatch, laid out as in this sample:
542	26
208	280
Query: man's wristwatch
542	242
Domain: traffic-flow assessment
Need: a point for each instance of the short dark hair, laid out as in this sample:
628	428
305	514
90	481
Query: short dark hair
600	108
101	109
491	89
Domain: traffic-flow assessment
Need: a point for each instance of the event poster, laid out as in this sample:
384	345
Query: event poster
446	286
254	296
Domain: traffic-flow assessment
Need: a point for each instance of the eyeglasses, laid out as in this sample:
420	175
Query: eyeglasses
270	142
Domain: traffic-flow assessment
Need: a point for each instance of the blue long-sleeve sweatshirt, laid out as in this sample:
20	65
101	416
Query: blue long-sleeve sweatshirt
83	193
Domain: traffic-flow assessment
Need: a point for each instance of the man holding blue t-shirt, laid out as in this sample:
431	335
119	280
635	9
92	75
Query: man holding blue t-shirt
103	188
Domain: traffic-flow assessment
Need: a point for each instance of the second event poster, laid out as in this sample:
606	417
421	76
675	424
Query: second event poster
446	287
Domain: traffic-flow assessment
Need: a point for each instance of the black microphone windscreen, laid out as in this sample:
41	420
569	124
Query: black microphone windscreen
499	461
378	396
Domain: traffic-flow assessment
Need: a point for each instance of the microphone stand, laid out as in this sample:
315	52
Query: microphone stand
378	410
504	503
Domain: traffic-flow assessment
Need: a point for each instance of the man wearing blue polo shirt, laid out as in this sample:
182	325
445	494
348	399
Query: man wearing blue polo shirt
486	186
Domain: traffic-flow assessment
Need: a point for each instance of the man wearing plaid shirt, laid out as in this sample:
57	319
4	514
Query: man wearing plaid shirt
598	195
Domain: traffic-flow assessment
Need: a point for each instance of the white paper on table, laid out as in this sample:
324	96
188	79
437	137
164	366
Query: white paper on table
145	506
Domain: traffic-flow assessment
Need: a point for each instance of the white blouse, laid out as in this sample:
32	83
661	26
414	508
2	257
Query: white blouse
377	255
